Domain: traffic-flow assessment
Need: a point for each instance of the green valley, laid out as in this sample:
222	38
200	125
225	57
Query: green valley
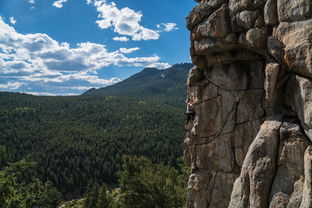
77	138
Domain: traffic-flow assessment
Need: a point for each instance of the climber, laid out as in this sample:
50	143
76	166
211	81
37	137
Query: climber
190	112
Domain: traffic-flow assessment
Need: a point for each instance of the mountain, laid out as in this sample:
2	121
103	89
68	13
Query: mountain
150	83
77	138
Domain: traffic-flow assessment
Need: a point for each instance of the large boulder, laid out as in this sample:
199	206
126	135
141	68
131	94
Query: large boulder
297	39
294	10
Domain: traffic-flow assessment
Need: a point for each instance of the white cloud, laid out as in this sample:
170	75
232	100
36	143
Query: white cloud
38	60
59	3
128	50
124	21
10	85
159	65
31	1
12	20
121	39
167	27
51	94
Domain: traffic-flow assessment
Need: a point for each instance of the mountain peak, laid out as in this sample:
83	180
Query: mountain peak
148	83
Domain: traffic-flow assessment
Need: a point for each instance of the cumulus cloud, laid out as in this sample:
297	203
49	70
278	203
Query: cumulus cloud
59	3
121	39
10	85
124	21
128	50
167	27
159	65
51	94
31	1
12	20
37	59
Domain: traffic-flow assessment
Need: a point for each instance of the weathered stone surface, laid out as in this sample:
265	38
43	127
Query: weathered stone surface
259	23
297	39
201	11
239	76
243	137
235	55
202	91
223	182
307	187
256	38
199	61
199	186
208	123
186	153
246	19
299	97
254	60
296	197
195	75
216	155
270	12
216	26
290	166
241	5
207	46
209	91
275	49
252	188
295	10
250	106
271	74
230	100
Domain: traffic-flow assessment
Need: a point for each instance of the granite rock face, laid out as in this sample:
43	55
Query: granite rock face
250	143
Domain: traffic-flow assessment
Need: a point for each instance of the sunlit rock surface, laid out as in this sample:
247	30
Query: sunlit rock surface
250	143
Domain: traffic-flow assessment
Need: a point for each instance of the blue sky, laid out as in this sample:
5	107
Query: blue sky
64	47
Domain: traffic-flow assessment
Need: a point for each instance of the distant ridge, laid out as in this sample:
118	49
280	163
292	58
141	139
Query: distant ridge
150	83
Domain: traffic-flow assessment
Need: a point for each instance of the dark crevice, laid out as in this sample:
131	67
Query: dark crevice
236	167
270	30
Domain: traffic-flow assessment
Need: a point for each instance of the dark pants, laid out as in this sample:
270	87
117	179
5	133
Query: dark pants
189	116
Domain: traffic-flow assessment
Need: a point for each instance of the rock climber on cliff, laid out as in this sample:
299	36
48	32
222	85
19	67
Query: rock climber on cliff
190	112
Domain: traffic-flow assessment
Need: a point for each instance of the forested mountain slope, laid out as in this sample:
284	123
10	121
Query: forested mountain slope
74	139
165	85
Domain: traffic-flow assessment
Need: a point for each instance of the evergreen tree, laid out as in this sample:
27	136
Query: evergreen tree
103	198
92	195
73	139
16	192
147	185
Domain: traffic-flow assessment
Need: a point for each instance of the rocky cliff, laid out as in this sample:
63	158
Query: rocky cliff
250	143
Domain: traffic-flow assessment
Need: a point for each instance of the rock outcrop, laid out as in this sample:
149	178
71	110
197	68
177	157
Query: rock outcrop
250	143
